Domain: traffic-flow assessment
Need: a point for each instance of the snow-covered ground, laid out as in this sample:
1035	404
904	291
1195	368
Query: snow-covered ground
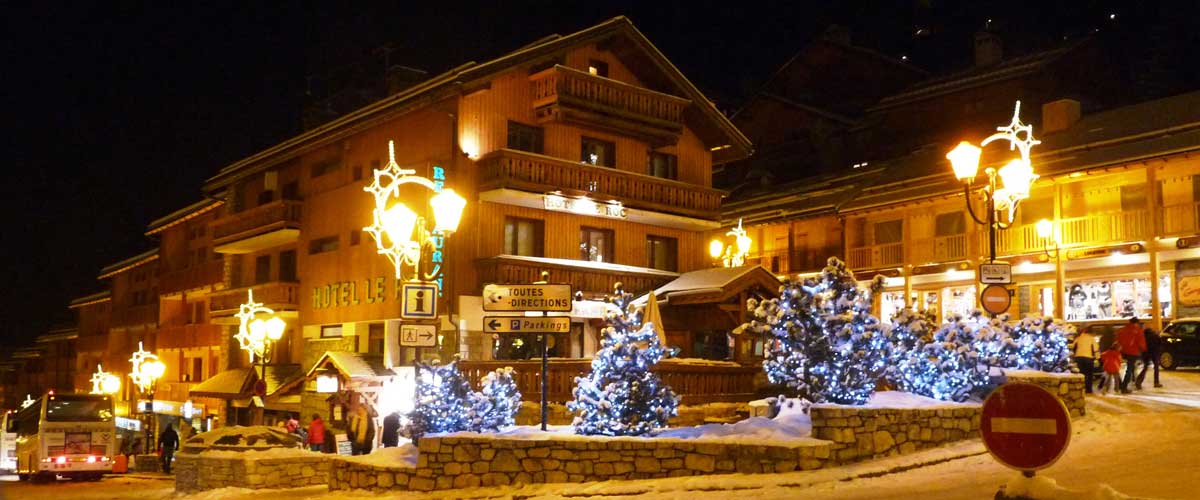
1142	445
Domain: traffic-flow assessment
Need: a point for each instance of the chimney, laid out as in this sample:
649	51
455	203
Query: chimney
1059	115
987	49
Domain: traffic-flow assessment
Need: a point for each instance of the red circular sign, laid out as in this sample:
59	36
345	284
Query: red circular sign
995	299
1024	426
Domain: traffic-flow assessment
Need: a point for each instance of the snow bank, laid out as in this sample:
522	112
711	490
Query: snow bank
1044	488
400	456
790	428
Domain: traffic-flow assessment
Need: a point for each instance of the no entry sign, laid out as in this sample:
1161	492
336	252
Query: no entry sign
1024	426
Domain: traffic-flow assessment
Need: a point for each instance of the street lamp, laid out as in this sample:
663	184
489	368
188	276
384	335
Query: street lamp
104	382
1048	234
147	369
732	255
401	233
1017	176
256	336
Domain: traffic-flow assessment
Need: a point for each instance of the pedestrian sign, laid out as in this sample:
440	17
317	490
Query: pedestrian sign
418	300
418	335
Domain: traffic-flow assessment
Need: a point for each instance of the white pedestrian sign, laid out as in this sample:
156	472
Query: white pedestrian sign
418	335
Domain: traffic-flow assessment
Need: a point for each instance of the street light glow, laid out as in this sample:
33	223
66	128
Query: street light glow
965	160
447	210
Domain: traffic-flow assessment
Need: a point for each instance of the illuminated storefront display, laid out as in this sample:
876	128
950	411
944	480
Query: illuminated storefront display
1115	299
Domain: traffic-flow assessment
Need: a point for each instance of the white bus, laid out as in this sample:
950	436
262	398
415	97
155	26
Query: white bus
8	444
69	435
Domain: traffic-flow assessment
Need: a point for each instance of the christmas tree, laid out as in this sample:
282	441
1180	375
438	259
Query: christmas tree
621	396
946	364
442	400
824	343
1042	344
495	405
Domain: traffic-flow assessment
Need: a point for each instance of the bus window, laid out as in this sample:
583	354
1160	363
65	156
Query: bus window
82	408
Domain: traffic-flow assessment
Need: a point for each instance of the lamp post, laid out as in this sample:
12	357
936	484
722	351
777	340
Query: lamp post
733	255
1049	232
401	234
147	369
256	336
1017	176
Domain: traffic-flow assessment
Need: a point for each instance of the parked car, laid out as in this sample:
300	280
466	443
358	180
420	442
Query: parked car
1181	343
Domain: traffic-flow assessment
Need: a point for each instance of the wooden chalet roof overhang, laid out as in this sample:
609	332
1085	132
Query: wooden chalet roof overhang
712	298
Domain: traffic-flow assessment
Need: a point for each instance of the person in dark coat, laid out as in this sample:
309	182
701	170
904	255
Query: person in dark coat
391	430
1150	355
168	442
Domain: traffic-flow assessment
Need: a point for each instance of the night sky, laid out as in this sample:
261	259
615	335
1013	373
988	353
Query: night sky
115	116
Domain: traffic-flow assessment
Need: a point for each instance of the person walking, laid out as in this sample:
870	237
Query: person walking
1084	350
168	442
292	425
362	431
391	430
1133	344
316	434
1151	355
1111	360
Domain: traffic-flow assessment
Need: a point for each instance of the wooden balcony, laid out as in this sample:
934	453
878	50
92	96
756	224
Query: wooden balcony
135	315
207	274
280	296
696	383
1091	230
186	336
564	94
507	168
276	223
581	276
1180	220
877	256
939	249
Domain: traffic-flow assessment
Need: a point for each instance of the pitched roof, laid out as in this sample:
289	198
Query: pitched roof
352	364
232	382
717	281
179	216
129	263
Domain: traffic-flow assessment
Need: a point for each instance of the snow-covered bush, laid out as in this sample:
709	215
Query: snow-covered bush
945	364
445	402
495	405
621	396
823	342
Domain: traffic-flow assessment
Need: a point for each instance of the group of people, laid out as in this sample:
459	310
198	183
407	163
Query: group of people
1133	344
361	432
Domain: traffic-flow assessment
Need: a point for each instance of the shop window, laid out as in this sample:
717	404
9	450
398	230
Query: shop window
322	245
523	236
950	224
891	231
1133	197
595	245
598	67
331	331
287	266
524	137
597	152
664	165
661	253
262	269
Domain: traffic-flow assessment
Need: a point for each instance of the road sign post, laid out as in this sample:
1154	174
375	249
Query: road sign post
1025	427
543	297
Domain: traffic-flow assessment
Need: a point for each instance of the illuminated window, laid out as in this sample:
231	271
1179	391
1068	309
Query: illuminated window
597	152
598	68
331	331
596	245
523	237
524	137
375	338
322	245
663	165
661	253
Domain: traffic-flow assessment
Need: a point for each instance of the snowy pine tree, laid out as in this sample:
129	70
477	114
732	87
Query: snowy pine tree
824	343
442	400
1042	344
946	364
495	405
621	396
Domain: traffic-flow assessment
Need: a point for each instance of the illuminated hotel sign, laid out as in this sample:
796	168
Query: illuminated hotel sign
584	206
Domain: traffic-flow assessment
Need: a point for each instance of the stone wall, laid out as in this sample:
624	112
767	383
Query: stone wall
1067	386
866	433
149	462
689	415
204	471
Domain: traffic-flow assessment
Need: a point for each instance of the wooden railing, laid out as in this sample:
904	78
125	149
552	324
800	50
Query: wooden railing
196	335
607	102
280	296
209	273
1181	220
135	315
698	383
891	254
507	168
940	249
500	269
275	215
1099	229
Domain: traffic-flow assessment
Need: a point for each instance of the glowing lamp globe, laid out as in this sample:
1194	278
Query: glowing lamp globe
399	222
110	384
743	243
275	328
715	248
965	160
154	369
1044	227
258	330
1018	177
447	210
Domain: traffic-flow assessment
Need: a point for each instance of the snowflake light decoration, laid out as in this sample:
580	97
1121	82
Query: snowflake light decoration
104	382
29	401
386	185
1019	137
146	368
255	335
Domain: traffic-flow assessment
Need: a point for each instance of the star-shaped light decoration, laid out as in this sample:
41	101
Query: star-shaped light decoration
1012	134
1018	172
104	382
29	401
255	335
401	250
146	368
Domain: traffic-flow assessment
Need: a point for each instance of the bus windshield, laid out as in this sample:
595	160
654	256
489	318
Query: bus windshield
78	408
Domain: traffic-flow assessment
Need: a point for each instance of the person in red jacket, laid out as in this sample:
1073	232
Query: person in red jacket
316	434
1133	344
1111	360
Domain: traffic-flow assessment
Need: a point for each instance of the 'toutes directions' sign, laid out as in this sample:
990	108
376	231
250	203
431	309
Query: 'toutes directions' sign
1024	426
519	324
544	297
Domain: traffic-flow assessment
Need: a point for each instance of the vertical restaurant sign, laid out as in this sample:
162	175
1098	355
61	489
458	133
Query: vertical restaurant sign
439	238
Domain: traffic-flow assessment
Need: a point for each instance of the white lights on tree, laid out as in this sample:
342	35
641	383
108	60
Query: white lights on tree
146	368
104	382
256	335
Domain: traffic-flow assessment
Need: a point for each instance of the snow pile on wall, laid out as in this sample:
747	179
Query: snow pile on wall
1044	488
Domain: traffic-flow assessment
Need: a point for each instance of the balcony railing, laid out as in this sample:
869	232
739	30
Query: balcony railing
1099	229
206	274
268	225
940	249
539	173
1181	220
872	257
503	269
698	383
562	93
184	336
280	296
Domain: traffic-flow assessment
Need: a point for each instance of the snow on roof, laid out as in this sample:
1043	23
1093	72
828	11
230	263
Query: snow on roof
353	364
232	382
702	281
280	376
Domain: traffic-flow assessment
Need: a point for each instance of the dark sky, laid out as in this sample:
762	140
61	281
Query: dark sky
116	115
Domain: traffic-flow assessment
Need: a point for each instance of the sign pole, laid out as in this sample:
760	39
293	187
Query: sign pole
545	369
